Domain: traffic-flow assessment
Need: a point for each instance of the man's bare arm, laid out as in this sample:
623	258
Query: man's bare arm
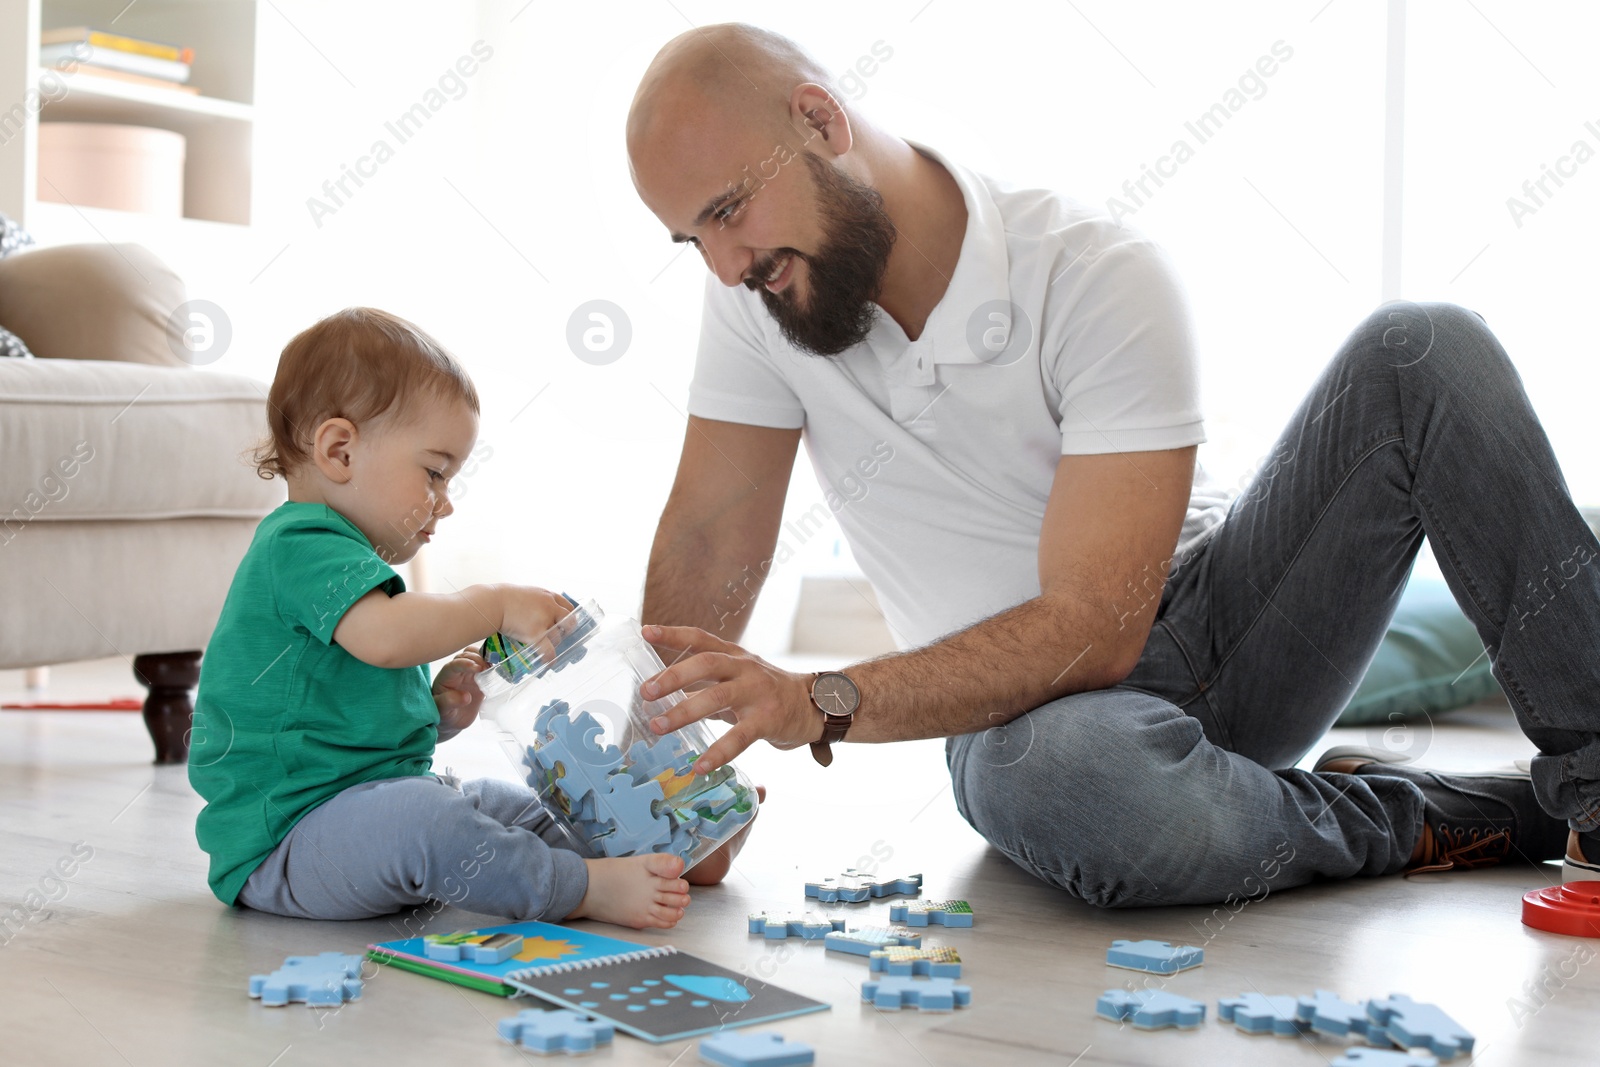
1109	532
1108	536
714	543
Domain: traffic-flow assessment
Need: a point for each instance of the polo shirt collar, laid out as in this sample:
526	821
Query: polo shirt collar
982	274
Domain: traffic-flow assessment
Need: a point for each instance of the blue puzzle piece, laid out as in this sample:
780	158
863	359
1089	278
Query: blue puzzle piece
585	626
754	1050
924	994
1330	1015
581	734
722	827
561	1030
632	809
588	810
1412	1025
1377	1057
541	721
907	885
649	759
1156	957
939	912
869	939
805	927
1150	1009
1257	1014
496	948
322	981
573	753
834	890
681	843
941	962
717	801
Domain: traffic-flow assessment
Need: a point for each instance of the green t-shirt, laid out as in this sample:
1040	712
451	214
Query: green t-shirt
285	718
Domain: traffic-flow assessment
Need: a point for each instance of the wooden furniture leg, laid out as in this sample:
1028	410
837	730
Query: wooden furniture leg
168	710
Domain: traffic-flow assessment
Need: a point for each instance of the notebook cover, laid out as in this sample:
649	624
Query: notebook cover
661	994
543	943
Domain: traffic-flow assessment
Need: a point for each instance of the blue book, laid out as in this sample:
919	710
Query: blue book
535	944
655	993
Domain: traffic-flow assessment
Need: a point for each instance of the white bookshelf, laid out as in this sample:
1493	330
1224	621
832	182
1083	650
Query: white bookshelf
217	124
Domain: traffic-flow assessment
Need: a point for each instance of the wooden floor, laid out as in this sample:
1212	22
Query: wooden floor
134	962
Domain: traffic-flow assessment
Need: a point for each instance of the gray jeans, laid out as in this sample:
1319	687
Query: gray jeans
384	846
1175	787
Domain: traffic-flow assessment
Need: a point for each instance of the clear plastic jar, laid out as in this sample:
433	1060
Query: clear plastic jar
571	720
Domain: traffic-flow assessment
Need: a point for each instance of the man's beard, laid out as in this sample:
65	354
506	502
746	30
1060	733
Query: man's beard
845	276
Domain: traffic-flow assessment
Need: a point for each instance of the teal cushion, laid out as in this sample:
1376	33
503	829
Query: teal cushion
1431	660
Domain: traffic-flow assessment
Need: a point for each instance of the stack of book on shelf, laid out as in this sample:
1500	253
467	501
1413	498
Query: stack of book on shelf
81	50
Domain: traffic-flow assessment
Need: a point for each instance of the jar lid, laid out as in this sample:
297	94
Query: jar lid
1572	909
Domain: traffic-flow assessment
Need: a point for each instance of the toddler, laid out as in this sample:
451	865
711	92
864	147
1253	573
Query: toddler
315	725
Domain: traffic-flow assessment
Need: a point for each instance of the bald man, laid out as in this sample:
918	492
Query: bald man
998	390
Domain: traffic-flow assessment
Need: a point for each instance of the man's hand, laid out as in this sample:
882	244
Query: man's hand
456	693
762	701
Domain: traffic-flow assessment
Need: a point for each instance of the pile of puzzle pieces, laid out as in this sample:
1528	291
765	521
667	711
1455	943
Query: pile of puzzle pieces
902	973
1403	1032
649	800
1390	1022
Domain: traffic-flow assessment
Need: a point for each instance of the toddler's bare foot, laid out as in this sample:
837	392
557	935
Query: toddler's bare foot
715	867
636	891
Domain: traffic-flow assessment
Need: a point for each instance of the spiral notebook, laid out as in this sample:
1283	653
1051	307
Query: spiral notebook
661	994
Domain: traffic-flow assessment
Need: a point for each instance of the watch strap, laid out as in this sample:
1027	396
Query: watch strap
834	727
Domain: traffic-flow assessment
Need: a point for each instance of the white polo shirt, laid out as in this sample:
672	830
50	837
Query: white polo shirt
1061	333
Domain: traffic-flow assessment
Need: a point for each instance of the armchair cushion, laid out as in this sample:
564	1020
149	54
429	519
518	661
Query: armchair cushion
93	301
86	440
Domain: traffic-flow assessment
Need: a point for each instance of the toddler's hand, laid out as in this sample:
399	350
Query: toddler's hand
527	612
456	693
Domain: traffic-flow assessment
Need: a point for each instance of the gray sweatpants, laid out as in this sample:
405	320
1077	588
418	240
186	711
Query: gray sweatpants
383	846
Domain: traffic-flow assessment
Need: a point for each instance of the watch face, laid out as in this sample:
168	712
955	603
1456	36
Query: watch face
836	694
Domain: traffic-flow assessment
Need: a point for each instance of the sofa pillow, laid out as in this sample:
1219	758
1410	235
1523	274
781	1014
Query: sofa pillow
11	346
93	301
12	237
1430	661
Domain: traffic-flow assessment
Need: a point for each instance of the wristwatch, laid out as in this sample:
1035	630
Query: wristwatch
837	697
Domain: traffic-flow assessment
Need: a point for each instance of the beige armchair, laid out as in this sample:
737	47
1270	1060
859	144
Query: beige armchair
125	503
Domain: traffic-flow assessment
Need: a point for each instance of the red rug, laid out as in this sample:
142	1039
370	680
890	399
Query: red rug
115	704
